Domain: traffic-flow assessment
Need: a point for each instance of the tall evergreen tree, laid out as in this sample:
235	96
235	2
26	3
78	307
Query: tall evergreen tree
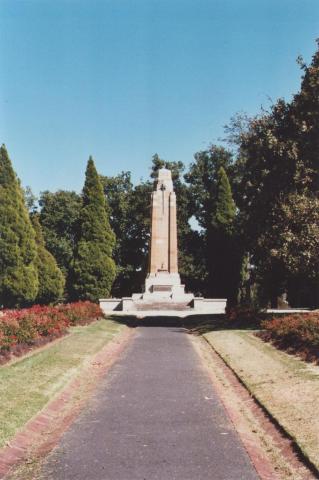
214	209
18	272
225	205
51	279
223	254
93	269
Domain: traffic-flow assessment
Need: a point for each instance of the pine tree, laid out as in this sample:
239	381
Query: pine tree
51	279
18	272
93	270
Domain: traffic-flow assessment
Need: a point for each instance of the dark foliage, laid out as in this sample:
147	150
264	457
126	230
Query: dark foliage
93	269
18	252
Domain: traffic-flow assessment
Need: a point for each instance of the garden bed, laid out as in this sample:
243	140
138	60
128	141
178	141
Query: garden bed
297	334
28	328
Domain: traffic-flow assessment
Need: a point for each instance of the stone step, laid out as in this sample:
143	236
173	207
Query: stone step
142	306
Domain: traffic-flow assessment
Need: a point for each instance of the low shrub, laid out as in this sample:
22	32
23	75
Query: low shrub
296	328
39	324
81	313
297	333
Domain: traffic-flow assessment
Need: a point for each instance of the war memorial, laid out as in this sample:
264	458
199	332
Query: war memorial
163	289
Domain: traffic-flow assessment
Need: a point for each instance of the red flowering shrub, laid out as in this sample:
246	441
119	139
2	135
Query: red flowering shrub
25	326
81	313
297	333
39	324
300	328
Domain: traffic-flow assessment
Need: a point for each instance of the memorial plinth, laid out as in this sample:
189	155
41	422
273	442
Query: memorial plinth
163	289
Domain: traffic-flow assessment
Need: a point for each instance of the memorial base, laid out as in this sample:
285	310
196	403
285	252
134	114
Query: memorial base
151	304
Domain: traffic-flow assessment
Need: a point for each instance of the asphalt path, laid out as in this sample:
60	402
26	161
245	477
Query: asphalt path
155	416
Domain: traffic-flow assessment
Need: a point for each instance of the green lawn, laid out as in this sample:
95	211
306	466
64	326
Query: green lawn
287	387
29	383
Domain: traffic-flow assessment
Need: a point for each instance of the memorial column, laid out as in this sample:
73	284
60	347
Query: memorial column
154	234
173	262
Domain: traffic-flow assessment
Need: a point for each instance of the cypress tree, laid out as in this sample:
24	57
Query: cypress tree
51	279
225	205
18	272
224	268
93	270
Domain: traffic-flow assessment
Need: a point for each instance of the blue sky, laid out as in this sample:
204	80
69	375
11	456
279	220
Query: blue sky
123	79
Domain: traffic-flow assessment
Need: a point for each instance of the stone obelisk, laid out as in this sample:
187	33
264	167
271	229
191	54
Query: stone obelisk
163	274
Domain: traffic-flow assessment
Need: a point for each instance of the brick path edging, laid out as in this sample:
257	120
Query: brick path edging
262	465
59	413
280	437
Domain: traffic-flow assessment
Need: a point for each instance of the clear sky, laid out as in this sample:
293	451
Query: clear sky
123	79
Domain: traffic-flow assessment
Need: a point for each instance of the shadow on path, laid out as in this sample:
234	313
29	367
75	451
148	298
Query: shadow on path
197	324
194	324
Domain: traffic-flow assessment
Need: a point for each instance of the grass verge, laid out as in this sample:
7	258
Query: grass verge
29	383
285	386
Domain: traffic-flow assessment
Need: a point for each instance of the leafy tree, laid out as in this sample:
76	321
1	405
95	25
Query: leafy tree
278	160
202	180
59	218
293	243
265	171
305	117
129	219
212	205
51	279
93	269
18	272
119	193
139	232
